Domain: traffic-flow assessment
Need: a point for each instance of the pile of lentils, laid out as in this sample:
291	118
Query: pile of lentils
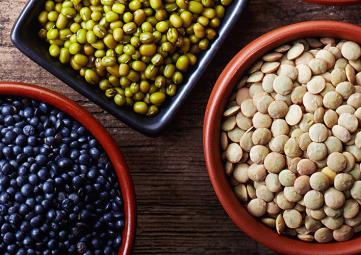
291	139
136	51
58	190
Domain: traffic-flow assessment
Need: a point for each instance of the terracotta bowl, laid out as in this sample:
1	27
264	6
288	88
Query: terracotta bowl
334	2
102	136
211	135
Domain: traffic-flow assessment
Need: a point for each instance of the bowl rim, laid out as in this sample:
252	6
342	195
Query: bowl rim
211	134
103	137
149	126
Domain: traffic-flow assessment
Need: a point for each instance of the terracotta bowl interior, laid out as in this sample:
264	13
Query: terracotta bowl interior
103	137
211	134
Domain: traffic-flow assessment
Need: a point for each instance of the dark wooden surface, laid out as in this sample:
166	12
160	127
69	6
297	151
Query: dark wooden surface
178	212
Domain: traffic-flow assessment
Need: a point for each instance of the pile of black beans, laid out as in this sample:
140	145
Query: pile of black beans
58	191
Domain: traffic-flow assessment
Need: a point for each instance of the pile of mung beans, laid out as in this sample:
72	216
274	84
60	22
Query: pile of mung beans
291	139
136	51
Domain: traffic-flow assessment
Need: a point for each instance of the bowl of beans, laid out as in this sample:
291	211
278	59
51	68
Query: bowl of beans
64	185
282	138
137	59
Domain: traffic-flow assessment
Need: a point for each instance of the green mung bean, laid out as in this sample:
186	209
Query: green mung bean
137	52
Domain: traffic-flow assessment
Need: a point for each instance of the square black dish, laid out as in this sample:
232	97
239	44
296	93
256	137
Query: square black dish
25	37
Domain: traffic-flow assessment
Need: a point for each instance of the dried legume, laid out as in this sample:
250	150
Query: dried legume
142	50
300	116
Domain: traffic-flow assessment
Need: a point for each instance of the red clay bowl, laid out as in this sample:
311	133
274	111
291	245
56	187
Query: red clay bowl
102	136
211	135
334	2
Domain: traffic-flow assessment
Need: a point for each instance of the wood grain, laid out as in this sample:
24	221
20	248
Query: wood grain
178	212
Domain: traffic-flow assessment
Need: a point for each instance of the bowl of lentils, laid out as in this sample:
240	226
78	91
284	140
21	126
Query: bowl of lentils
64	185
282	138
137	59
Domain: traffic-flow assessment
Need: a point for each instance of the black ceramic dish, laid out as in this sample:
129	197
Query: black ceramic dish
25	37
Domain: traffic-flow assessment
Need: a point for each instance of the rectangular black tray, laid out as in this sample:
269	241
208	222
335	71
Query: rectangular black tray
25	37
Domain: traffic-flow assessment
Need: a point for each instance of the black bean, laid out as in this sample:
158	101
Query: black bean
55	179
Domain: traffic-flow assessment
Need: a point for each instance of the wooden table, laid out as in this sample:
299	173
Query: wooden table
178	212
